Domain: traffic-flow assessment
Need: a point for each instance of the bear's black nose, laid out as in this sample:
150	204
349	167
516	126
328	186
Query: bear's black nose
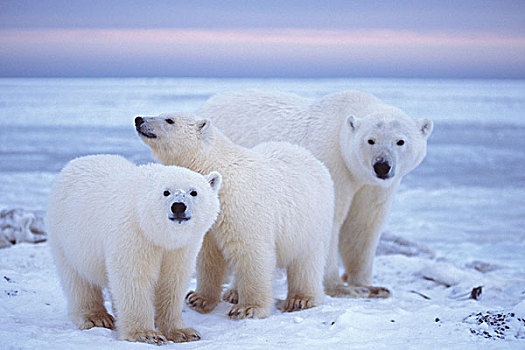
382	168
178	208
139	121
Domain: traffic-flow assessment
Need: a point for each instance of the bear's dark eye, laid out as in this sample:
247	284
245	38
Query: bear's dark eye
169	121
371	142
166	193
400	142
193	193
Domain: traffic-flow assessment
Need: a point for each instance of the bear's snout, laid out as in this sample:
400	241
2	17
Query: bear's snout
180	212
382	168
178	208
143	128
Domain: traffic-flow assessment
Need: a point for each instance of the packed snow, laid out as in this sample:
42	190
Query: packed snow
452	250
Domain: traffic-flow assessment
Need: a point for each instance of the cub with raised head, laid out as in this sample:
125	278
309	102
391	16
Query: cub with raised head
276	210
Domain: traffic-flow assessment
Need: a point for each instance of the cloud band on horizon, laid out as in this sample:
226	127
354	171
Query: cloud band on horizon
260	53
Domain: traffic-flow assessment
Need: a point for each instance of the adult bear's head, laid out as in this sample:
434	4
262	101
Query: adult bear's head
383	146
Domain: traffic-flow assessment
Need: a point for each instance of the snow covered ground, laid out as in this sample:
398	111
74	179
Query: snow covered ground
457	223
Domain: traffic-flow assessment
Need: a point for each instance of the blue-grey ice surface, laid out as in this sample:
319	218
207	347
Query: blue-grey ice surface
465	202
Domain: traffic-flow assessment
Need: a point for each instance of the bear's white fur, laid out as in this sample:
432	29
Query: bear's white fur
336	129
136	230
276	210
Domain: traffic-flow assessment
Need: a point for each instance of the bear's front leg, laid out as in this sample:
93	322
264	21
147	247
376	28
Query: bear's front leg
211	267
253	270
359	237
174	276
132	273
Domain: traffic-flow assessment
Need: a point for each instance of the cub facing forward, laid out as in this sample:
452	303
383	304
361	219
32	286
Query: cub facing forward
136	230
276	209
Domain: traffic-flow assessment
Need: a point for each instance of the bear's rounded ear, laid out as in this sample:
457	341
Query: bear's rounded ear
352	122
425	126
215	180
203	125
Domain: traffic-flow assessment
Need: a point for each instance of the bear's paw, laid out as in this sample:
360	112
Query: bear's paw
341	290
240	312
231	296
297	303
183	335
200	303
148	336
95	319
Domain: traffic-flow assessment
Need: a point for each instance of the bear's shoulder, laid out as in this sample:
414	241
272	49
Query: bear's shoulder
97	169
101	160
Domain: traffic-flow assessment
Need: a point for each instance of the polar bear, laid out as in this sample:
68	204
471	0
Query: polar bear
136	230
276	210
367	145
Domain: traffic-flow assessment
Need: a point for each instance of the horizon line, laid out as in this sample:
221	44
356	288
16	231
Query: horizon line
258	77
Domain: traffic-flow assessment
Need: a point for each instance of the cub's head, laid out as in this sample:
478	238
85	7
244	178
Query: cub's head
173	137
176	206
382	147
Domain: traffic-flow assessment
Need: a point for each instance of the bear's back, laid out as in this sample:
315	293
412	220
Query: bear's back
95	169
253	116
87	203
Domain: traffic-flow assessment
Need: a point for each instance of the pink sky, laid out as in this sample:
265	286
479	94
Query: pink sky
270	38
216	52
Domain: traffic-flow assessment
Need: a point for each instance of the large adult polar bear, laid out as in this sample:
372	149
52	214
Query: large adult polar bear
367	145
136	229
277	207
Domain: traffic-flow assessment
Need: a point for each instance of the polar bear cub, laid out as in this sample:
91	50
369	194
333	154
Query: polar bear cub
276	210
136	230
